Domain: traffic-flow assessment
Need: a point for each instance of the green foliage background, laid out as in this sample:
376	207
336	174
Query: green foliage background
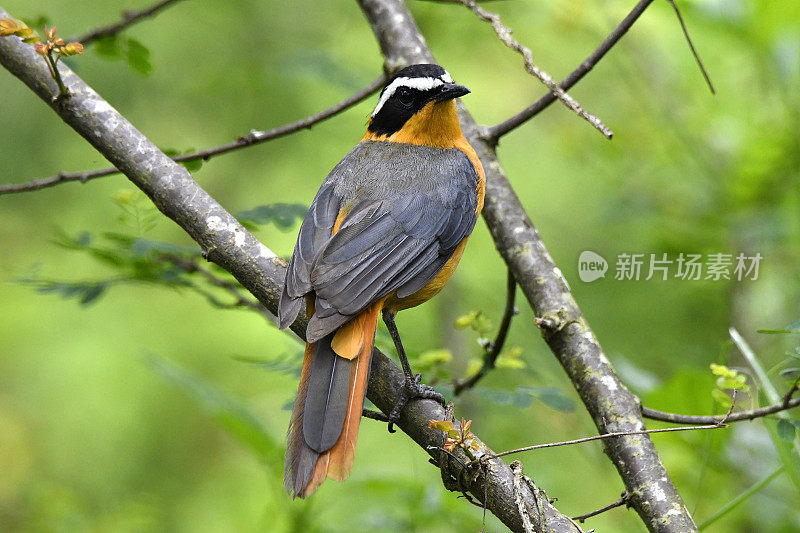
135	412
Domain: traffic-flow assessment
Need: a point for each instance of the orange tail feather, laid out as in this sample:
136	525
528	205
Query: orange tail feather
337	462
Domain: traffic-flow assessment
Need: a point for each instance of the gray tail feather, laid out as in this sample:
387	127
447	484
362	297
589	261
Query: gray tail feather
319	412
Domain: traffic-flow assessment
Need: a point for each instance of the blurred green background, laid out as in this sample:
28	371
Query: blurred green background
136	411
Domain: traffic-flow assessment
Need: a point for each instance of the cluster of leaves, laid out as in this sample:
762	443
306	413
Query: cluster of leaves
510	358
137	212
434	364
133	52
52	49
728	379
136	260
457	436
140	260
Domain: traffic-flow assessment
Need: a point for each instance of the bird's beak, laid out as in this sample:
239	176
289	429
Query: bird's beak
449	91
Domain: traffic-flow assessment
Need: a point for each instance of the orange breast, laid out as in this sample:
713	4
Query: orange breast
394	304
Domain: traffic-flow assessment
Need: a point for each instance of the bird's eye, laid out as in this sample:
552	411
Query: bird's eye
405	96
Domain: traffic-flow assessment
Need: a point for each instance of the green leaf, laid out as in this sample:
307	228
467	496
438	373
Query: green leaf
283	215
138	56
793	328
86	292
522	400
143	247
83	239
721	398
500	397
510	359
786	430
552	397
722	371
193	165
465	321
108	47
433	360
92	293
441	425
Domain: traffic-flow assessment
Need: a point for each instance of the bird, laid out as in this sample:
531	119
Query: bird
384	233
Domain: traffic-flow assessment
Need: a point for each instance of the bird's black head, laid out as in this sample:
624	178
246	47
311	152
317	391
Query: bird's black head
411	89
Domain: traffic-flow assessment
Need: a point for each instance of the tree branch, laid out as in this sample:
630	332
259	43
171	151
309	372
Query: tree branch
716	425
653	414
227	243
251	139
494	133
129	18
494	349
504	34
612	406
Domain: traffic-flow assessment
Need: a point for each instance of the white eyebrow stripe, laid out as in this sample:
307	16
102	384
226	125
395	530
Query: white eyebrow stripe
421	84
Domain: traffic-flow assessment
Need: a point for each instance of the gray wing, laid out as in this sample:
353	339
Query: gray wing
393	241
315	230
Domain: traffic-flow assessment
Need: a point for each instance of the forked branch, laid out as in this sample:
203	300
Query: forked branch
494	133
504	34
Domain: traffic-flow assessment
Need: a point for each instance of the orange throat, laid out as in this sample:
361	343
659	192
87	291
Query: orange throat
434	125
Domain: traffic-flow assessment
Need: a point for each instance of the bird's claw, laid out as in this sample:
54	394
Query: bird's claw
412	389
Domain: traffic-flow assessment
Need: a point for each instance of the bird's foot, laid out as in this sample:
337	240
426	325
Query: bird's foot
412	389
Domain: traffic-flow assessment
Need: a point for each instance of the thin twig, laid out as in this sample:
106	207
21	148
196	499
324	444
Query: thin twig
128	19
715	419
504	34
619	503
253	138
599	437
691	46
495	132
494	349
